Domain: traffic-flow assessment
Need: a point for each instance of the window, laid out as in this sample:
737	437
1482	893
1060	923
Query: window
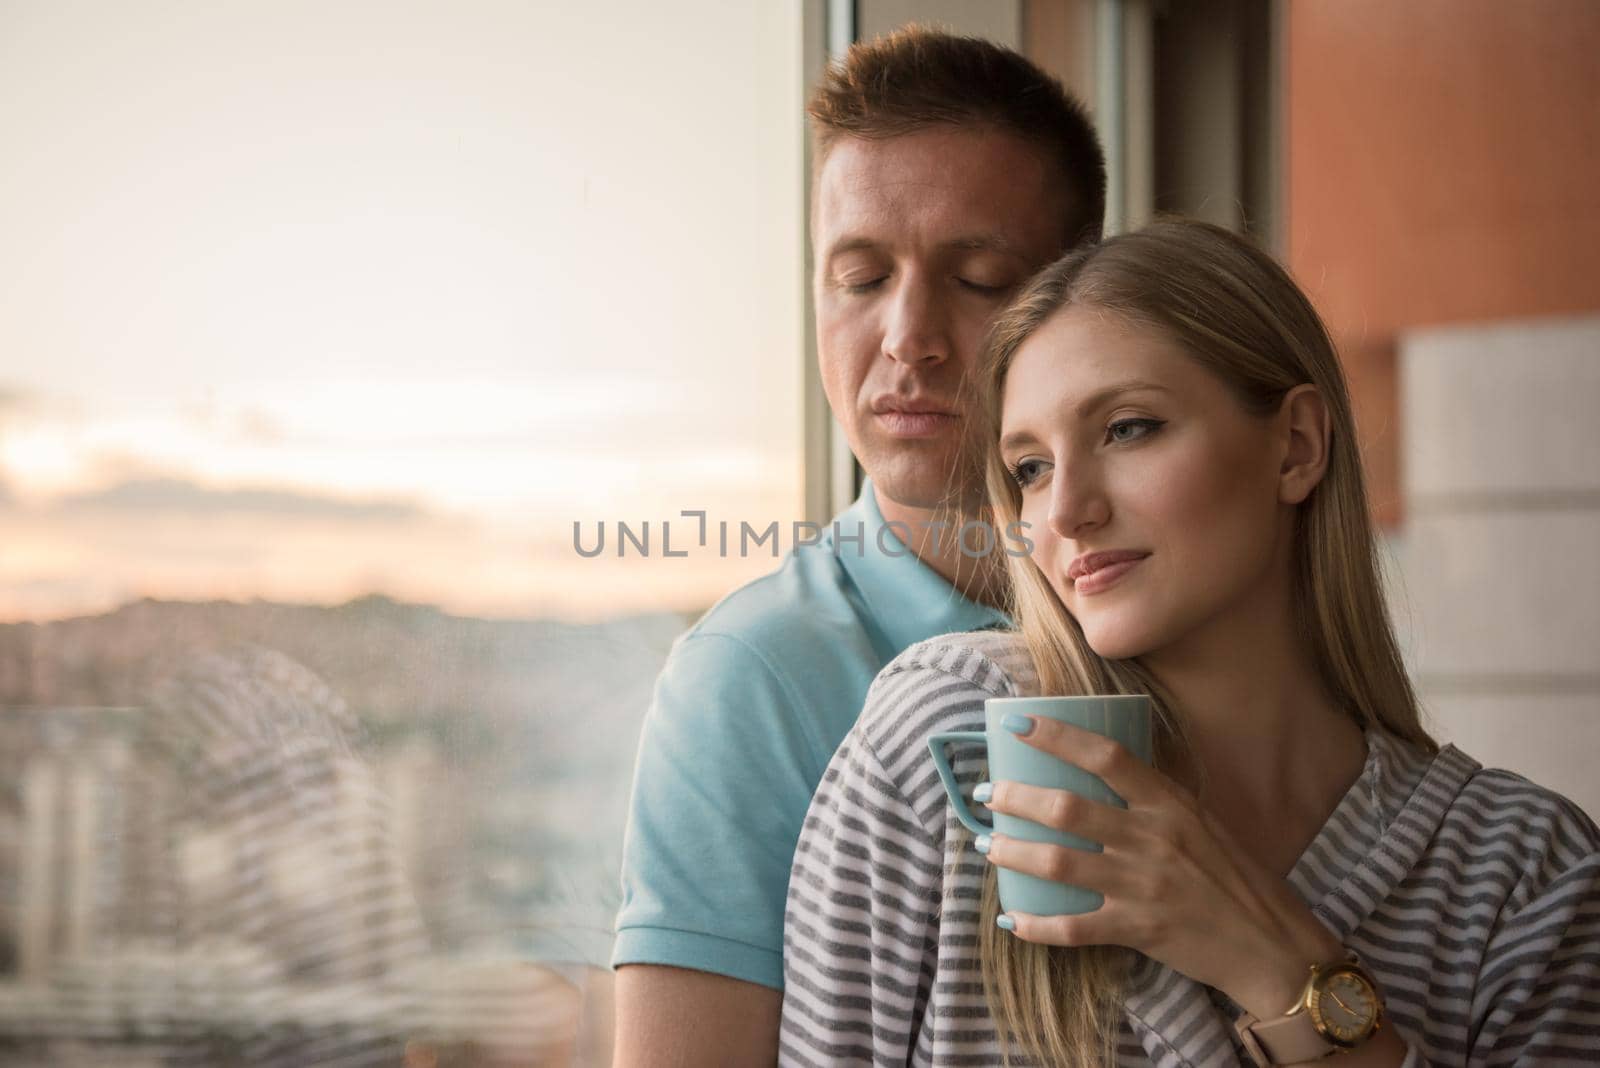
332	334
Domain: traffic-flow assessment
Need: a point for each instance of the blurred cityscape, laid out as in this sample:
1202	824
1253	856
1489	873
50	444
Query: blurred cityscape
266	834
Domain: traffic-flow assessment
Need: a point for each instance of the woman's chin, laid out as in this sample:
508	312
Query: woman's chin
1114	645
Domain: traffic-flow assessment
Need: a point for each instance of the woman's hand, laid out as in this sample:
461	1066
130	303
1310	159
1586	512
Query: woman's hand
1177	887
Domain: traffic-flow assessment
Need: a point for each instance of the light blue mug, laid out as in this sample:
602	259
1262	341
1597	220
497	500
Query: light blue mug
1124	718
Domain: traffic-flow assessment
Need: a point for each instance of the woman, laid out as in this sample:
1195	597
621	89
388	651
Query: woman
1165	413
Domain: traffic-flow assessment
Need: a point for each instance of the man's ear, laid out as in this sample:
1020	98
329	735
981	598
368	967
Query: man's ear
1306	431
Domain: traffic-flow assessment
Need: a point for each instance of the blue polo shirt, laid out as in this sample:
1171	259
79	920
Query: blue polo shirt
747	712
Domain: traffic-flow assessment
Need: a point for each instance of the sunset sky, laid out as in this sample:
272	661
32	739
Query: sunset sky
304	301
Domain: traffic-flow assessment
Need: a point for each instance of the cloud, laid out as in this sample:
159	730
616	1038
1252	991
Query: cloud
13	399
241	424
181	495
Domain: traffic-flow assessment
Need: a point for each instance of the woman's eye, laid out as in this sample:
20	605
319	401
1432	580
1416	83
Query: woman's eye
983	287
1024	472
1126	430
861	287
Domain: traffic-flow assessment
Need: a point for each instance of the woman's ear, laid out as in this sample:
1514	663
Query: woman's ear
1305	431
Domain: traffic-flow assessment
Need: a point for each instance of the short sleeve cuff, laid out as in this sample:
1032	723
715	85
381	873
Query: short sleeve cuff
702	952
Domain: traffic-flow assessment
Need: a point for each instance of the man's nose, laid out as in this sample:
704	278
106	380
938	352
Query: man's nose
917	330
1078	501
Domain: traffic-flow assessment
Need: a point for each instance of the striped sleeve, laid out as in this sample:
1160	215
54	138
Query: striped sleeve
1537	999
863	907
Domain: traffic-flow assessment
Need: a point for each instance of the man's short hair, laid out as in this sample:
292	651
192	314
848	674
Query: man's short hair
916	77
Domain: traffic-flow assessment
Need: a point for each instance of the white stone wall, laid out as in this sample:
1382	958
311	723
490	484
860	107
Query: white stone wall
1498	591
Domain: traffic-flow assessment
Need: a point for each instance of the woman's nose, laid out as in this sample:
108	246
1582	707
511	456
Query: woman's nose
1078	503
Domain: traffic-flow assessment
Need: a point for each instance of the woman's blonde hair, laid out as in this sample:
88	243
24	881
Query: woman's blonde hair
1237	312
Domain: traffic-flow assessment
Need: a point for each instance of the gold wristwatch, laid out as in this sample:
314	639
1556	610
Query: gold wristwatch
1340	1008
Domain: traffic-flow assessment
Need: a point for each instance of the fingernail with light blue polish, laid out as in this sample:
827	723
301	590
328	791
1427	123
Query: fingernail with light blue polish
1017	723
984	792
1006	923
983	843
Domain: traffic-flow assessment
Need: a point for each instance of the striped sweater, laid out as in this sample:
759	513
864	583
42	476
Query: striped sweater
1472	893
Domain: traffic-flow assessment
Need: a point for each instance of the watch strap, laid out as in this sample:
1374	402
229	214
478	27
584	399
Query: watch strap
1285	1040
1293	1037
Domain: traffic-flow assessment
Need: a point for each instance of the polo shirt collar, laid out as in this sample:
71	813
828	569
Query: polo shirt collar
909	600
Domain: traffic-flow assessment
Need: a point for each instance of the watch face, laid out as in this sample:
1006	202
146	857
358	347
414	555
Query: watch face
1344	1007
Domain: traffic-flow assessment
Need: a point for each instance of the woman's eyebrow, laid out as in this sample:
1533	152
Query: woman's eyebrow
1086	407
1016	438
1100	398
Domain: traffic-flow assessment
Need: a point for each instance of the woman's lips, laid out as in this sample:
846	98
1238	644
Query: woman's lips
915	424
1104	578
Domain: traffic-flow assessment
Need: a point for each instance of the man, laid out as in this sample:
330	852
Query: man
947	171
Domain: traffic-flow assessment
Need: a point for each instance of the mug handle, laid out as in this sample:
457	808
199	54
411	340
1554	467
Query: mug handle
936	744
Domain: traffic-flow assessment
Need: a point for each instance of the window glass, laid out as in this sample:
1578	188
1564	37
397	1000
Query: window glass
331	334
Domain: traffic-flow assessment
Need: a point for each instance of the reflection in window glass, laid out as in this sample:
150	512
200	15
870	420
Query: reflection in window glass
334	333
